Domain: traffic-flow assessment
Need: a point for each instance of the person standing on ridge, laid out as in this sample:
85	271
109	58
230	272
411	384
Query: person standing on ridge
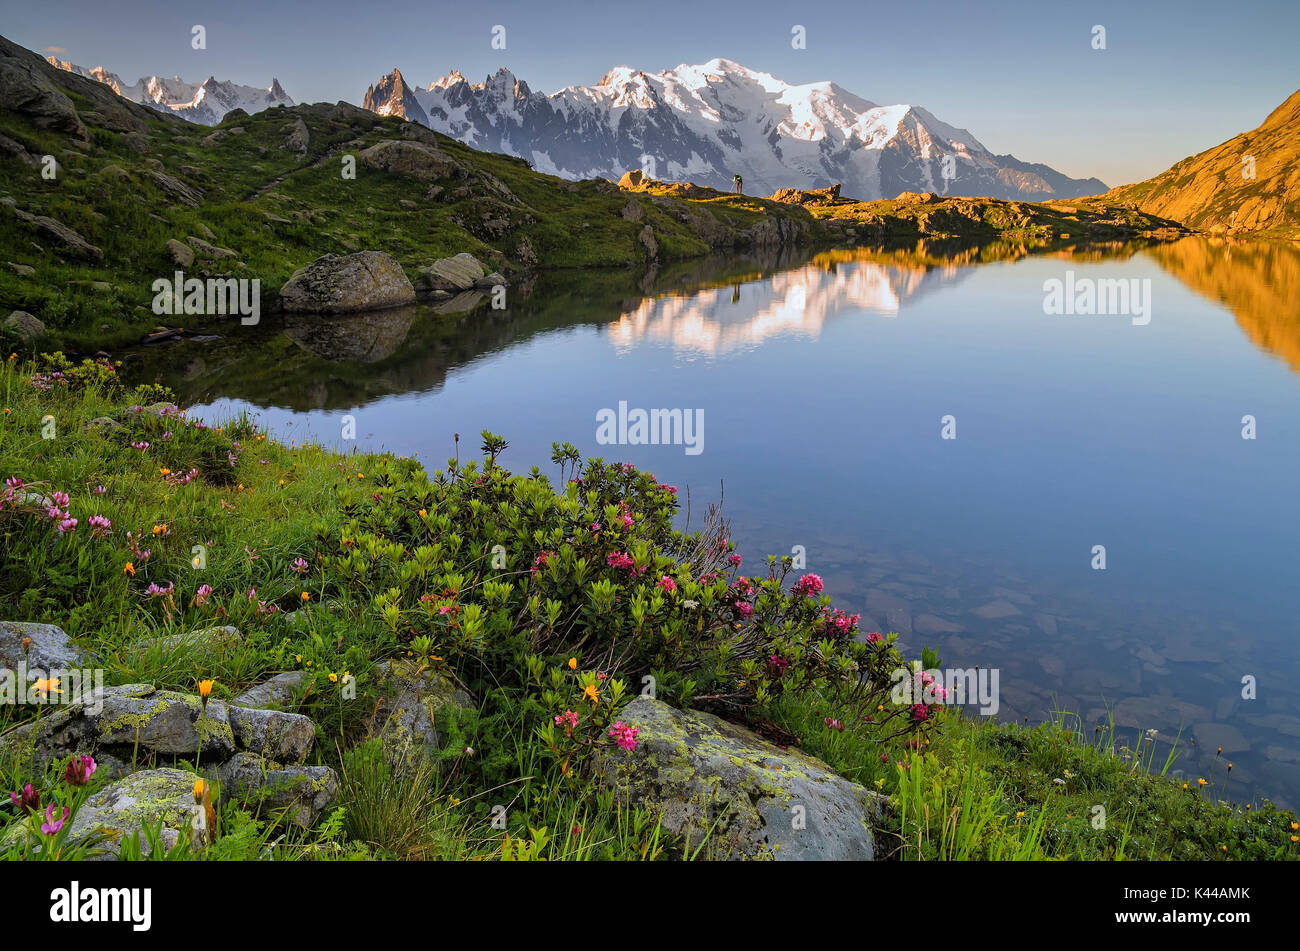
737	180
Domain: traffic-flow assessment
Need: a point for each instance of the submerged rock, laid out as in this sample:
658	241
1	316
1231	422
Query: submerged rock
761	801
367	280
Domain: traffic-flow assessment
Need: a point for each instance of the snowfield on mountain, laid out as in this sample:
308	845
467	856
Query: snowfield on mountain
709	122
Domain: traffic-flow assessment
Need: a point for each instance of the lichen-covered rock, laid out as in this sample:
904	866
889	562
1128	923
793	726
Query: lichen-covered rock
278	691
64	729
166	722
300	791
760	800
121	809
458	273
367	280
286	737
404	719
50	648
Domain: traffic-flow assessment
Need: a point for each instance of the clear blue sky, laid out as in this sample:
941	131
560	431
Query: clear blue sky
1177	76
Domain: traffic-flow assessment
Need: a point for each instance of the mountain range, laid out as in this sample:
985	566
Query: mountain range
709	122
205	103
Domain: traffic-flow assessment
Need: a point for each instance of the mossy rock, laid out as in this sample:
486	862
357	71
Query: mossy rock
121	809
760	801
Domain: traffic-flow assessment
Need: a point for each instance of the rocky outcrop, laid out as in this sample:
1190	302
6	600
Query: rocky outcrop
180	253
812	196
759	800
298	137
413	159
367	280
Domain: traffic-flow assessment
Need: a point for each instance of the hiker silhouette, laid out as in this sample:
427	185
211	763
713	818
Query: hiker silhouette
737	180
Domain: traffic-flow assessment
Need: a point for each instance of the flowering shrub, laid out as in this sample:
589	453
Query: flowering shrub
503	574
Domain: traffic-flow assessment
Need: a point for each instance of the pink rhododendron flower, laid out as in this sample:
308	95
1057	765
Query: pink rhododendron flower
808	585
668	584
624	735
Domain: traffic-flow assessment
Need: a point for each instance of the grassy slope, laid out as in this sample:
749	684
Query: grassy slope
280	501
1210	191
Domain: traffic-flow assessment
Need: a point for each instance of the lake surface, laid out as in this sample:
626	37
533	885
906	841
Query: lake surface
824	384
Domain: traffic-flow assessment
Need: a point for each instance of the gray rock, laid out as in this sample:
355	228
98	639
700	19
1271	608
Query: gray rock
367	280
404	718
70	239
278	691
123	808
455	274
285	737
302	792
488	281
50	649
176	190
206	250
163	721
23	270
761	801
298	136
632	211
647	239
413	159
181	254
28	327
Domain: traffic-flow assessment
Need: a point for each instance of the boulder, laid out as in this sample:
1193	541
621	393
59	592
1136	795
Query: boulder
284	737
123	808
163	721
413	159
367	280
50	648
454	274
205	250
278	691
760	800
409	699
181	254
632	211
27	326
301	792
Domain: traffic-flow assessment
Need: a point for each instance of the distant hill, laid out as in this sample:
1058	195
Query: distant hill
1215	191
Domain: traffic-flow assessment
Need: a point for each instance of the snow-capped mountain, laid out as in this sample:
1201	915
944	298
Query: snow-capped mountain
205	103
709	122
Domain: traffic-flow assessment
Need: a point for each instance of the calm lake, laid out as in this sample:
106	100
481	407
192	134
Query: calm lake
824	384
